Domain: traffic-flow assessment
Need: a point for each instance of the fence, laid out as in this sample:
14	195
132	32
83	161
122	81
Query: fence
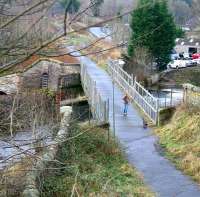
146	101
98	106
168	97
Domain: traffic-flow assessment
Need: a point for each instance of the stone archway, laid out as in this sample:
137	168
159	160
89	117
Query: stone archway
2	93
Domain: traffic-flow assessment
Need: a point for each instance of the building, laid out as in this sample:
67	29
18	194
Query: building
187	45
41	72
9	84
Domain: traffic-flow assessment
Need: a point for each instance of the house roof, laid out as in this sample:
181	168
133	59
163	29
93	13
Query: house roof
25	65
188	42
66	59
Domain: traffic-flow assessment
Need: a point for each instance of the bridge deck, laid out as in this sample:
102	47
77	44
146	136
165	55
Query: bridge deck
139	143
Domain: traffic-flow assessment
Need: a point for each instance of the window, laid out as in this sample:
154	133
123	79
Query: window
192	50
44	80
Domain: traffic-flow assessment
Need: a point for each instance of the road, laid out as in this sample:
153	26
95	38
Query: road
97	31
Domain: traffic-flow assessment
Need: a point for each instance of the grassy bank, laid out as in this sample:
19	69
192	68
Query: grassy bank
181	140
186	75
95	167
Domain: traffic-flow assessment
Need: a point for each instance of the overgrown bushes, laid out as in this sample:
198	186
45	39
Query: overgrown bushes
92	166
26	111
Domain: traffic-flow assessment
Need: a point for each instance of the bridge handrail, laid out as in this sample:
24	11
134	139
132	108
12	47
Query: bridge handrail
98	106
145	100
131	87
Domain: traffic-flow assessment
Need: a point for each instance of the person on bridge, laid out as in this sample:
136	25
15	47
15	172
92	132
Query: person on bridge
126	102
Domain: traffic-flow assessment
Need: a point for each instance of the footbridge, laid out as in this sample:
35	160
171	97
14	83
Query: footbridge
145	101
139	143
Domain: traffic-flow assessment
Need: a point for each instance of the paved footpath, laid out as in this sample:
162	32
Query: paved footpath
139	143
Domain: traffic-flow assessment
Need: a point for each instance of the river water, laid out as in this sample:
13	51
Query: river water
22	144
168	97
12	150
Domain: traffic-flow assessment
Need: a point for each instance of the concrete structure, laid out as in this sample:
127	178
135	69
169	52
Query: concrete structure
9	84
51	74
38	72
188	45
192	95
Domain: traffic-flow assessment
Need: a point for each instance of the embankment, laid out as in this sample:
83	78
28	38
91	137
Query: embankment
180	140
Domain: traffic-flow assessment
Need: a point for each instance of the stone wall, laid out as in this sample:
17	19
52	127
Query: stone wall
31	187
191	94
32	77
70	80
9	84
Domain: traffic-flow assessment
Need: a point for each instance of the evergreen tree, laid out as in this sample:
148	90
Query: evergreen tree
96	7
153	27
73	5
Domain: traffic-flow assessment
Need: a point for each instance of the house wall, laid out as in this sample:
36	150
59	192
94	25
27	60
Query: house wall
32	77
185	48
70	80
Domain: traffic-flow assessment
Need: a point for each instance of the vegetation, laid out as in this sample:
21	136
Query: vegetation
96	7
27	111
95	167
153	27
181	10
180	140
189	75
72	6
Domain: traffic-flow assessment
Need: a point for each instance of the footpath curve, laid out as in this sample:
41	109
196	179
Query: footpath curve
162	177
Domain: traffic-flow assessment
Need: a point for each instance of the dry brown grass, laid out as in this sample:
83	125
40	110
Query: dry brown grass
181	140
12	179
102	58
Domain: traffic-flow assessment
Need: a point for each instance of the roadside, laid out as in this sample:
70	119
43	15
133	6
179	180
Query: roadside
179	140
95	167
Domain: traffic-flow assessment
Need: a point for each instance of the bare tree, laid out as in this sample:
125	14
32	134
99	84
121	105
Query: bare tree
29	24
181	10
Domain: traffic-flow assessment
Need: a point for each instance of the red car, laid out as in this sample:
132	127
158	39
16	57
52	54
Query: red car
195	56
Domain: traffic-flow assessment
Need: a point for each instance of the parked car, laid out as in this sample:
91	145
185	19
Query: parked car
197	61
185	56
174	55
177	64
191	62
195	56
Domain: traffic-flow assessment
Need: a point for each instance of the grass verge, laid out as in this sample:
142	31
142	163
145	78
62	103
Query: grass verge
95	167
186	75
180	140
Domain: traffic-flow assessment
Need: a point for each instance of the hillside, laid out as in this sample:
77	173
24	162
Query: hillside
180	141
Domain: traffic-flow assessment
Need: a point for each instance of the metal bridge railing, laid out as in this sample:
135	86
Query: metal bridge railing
146	101
98	106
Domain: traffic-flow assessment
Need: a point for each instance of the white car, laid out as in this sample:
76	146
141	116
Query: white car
174	56
177	64
197	61
186	56
191	63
